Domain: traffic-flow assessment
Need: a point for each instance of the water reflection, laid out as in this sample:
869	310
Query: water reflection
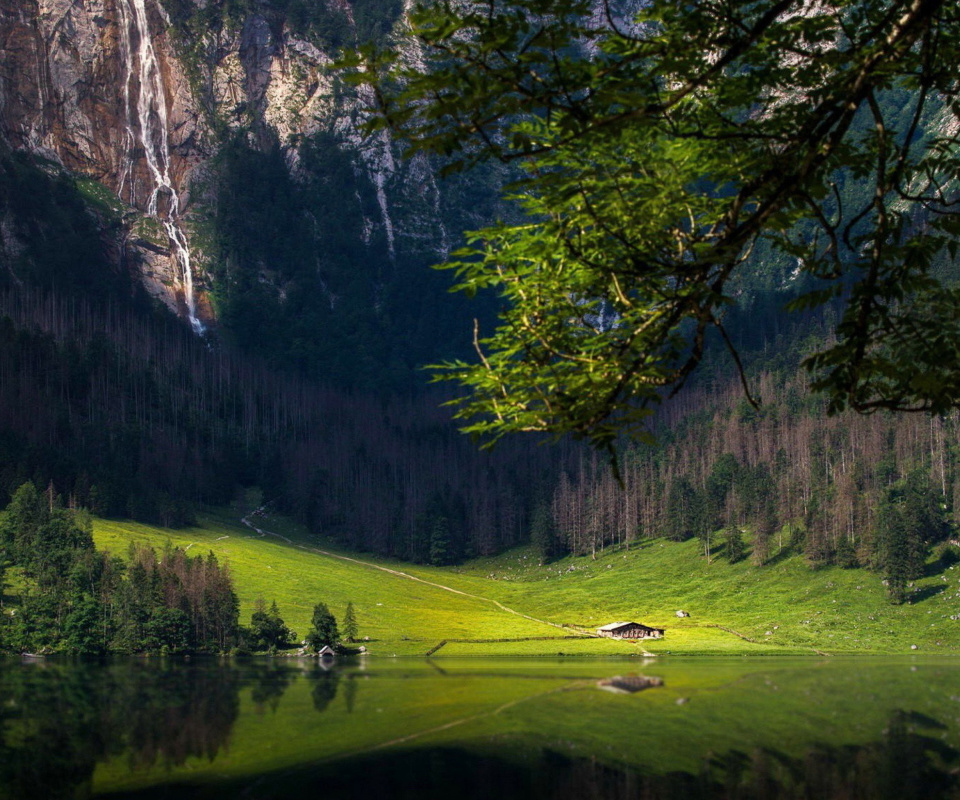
270	679
902	765
325	683
628	684
59	719
688	729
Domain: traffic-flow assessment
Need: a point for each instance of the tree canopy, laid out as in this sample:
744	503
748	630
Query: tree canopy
323	631
659	147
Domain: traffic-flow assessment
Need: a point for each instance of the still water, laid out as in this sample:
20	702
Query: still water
481	728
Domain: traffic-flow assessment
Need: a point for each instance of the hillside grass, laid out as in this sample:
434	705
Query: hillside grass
735	609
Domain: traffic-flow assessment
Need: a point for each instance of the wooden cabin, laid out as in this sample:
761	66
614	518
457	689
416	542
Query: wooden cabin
630	630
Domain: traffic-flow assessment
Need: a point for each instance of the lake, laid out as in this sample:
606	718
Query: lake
482	728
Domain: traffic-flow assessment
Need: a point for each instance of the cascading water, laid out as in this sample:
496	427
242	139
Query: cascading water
146	123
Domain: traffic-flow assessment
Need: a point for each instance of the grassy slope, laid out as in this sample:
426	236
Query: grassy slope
829	610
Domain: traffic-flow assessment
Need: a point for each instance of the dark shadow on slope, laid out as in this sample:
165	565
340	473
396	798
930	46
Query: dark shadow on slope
925	593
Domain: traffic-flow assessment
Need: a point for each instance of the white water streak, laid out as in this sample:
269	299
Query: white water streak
151	128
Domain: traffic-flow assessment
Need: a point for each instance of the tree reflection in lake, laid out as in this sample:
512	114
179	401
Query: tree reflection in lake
737	731
325	683
270	679
59	719
903	765
167	715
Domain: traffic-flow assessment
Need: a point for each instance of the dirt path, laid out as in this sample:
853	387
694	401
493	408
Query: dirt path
399	574
408	576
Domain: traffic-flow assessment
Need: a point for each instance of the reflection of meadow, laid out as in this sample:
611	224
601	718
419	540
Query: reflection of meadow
221	725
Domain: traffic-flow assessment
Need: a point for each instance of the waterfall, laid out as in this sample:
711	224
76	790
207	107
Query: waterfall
147	123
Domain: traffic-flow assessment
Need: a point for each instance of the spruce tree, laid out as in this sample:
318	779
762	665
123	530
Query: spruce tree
543	534
735	546
350	631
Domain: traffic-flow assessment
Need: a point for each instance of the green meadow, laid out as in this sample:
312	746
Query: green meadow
512	605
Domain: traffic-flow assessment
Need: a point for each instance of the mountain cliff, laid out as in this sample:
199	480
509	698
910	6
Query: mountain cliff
229	174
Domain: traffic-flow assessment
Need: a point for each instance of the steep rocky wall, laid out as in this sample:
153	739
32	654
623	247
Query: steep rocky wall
70	85
65	94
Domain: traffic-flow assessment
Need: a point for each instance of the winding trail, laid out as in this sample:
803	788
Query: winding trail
399	574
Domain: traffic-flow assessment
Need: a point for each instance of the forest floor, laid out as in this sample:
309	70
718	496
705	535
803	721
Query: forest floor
512	605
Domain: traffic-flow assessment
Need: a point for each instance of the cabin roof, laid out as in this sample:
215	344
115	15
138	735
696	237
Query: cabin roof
617	625
614	625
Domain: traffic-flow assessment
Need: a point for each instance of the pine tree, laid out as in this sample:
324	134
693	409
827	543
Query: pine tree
439	541
543	534
735	546
350	631
682	510
267	629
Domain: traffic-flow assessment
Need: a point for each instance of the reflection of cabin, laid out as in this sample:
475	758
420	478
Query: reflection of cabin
629	630
629	684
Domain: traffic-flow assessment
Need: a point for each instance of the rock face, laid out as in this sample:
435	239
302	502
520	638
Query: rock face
114	91
77	79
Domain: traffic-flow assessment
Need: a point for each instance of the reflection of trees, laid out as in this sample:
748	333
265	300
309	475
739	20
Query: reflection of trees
174	712
324	687
51	732
270	680
350	692
906	764
58	720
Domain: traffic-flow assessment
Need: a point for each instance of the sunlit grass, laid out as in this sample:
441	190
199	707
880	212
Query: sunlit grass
784	607
400	616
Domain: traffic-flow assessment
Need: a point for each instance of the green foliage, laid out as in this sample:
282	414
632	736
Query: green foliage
268	631
350	629
42	537
908	520
323	629
685	511
846	555
656	155
168	631
85	630
79	600
721	481
735	549
440	541
543	534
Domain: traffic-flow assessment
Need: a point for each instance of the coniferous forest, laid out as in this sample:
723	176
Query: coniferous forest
142	419
362	362
311	387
